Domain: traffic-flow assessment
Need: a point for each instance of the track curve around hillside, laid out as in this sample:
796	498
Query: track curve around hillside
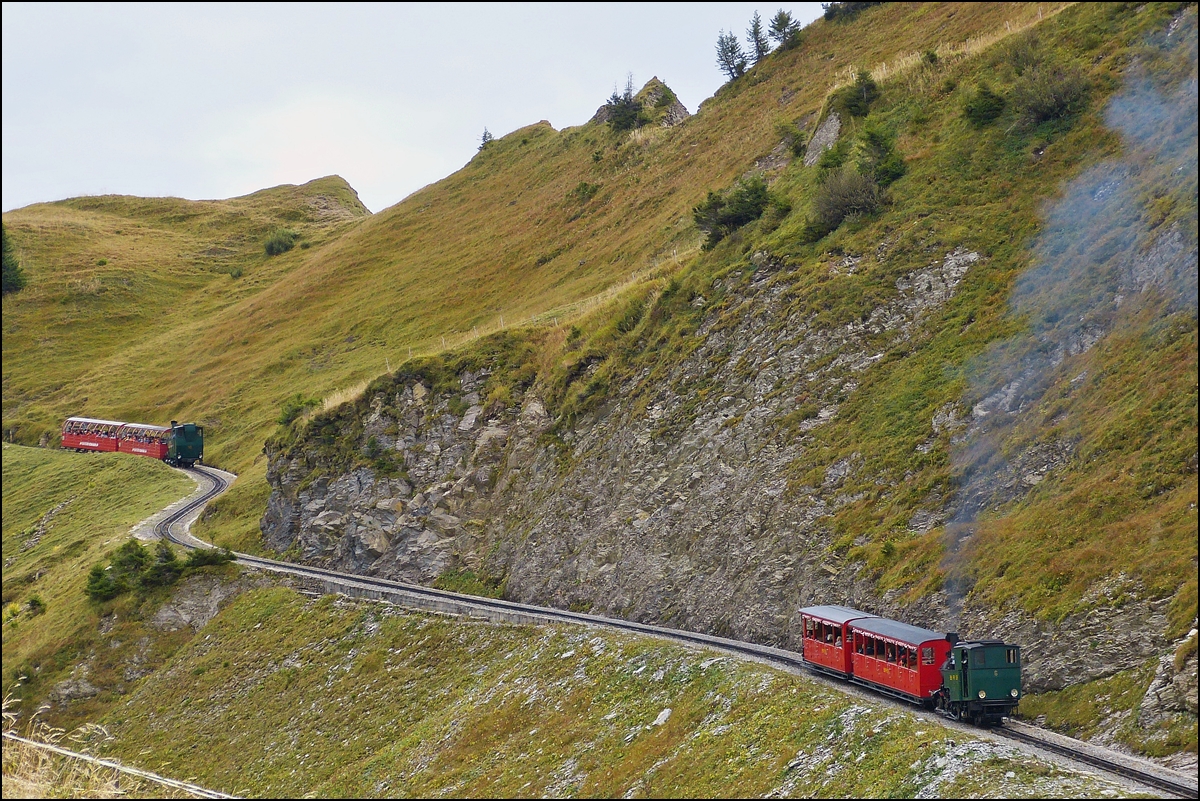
416	595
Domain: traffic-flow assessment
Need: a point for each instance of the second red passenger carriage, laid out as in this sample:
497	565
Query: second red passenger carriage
883	654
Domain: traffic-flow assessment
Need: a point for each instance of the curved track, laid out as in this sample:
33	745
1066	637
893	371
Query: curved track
449	601
163	528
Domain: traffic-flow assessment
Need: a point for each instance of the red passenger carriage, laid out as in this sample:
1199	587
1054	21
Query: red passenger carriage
144	440
897	658
88	434
827	637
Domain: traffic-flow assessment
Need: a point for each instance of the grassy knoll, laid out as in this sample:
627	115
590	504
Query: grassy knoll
289	695
64	512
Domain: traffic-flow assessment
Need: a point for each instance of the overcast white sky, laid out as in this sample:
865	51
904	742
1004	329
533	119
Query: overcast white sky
215	101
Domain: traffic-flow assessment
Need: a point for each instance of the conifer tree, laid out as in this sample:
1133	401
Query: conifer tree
783	27
730	58
487	137
14	278
756	38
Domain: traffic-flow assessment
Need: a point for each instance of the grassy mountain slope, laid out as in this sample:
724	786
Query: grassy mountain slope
506	235
336	698
63	513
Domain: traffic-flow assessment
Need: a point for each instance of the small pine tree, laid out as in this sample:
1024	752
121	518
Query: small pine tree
487	137
756	38
783	27
14	278
730	58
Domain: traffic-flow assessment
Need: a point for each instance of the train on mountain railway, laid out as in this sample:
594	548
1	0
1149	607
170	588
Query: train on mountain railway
179	444
978	682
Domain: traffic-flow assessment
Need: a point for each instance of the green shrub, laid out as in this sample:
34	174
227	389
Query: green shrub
856	99
722	213
583	192
281	240
14	276
1024	52
199	557
842	12
165	570
1049	93
36	605
102	585
983	107
876	156
295	406
844	195
101	262
235	272
130	559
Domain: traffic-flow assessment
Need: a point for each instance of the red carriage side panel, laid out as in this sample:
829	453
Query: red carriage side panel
827	636
899	657
143	440
86	433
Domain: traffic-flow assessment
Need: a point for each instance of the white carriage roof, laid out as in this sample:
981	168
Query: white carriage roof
834	614
895	630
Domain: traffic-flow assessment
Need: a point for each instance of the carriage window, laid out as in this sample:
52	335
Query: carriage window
891	652
858	643
1011	656
902	656
926	656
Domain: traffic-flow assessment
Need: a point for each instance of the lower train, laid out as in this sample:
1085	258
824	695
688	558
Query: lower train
179	444
975	681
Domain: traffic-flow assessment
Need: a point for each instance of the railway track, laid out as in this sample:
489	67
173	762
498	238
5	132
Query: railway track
430	598
1088	758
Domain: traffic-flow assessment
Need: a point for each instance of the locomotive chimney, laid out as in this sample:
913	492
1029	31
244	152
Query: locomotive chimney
174	424
952	638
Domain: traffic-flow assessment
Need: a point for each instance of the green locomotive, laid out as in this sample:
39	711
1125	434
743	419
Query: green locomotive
981	681
185	444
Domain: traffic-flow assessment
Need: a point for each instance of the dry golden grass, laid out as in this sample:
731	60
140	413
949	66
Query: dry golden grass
32	770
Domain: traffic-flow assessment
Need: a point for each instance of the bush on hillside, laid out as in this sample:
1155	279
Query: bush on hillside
165	569
983	107
281	240
856	99
14	277
1023	52
842	12
199	557
720	214
1050	93
876	156
625	113
295	406
844	195
132	567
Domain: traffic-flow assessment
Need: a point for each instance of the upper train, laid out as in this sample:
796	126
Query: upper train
977	681
179	444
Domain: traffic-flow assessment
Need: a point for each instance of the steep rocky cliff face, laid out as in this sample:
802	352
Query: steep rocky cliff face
671	502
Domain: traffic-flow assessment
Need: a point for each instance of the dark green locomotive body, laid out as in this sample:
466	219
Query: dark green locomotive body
185	444
981	681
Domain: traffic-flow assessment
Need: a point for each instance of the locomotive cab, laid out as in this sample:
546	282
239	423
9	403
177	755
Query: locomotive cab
185	444
981	681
